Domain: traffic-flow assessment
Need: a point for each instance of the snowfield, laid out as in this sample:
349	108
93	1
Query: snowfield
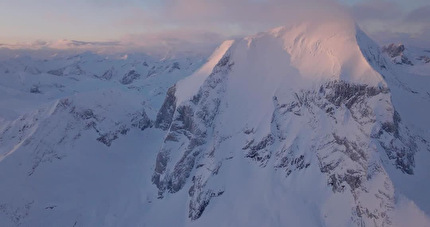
308	125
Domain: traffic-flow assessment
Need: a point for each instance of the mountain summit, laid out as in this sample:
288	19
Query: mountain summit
298	115
307	125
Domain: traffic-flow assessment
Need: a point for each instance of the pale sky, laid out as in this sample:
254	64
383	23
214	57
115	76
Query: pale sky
201	22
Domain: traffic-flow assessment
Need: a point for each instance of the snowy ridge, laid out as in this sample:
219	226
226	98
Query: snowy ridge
26	126
187	87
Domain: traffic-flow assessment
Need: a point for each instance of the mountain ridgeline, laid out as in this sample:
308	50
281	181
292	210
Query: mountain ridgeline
307	125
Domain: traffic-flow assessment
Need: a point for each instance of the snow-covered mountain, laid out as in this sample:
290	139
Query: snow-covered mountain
309	125
26	82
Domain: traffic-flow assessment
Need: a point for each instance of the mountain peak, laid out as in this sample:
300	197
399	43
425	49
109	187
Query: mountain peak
331	50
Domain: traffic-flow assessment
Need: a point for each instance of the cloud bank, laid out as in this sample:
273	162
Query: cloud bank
166	26
390	21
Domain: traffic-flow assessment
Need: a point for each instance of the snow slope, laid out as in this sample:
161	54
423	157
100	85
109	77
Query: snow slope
309	125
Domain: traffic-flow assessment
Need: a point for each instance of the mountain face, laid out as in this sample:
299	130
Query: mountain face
309	125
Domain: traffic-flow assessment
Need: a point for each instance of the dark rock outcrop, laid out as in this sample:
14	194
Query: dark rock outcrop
129	77
165	115
397	50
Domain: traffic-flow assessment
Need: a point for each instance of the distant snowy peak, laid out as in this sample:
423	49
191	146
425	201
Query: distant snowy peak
52	78
104	67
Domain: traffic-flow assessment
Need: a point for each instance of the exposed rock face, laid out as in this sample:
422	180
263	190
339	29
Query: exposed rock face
35	89
425	59
165	115
130	77
175	66
141	120
63	124
191	124
347	160
57	72
108	74
396	52
73	69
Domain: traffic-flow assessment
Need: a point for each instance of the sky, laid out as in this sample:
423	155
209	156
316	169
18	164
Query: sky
194	24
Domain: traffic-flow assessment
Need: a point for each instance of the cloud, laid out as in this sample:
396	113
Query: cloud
246	16
174	41
376	10
386	21
60	44
110	3
386	37
199	26
390	21
166	26
65	44
420	15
